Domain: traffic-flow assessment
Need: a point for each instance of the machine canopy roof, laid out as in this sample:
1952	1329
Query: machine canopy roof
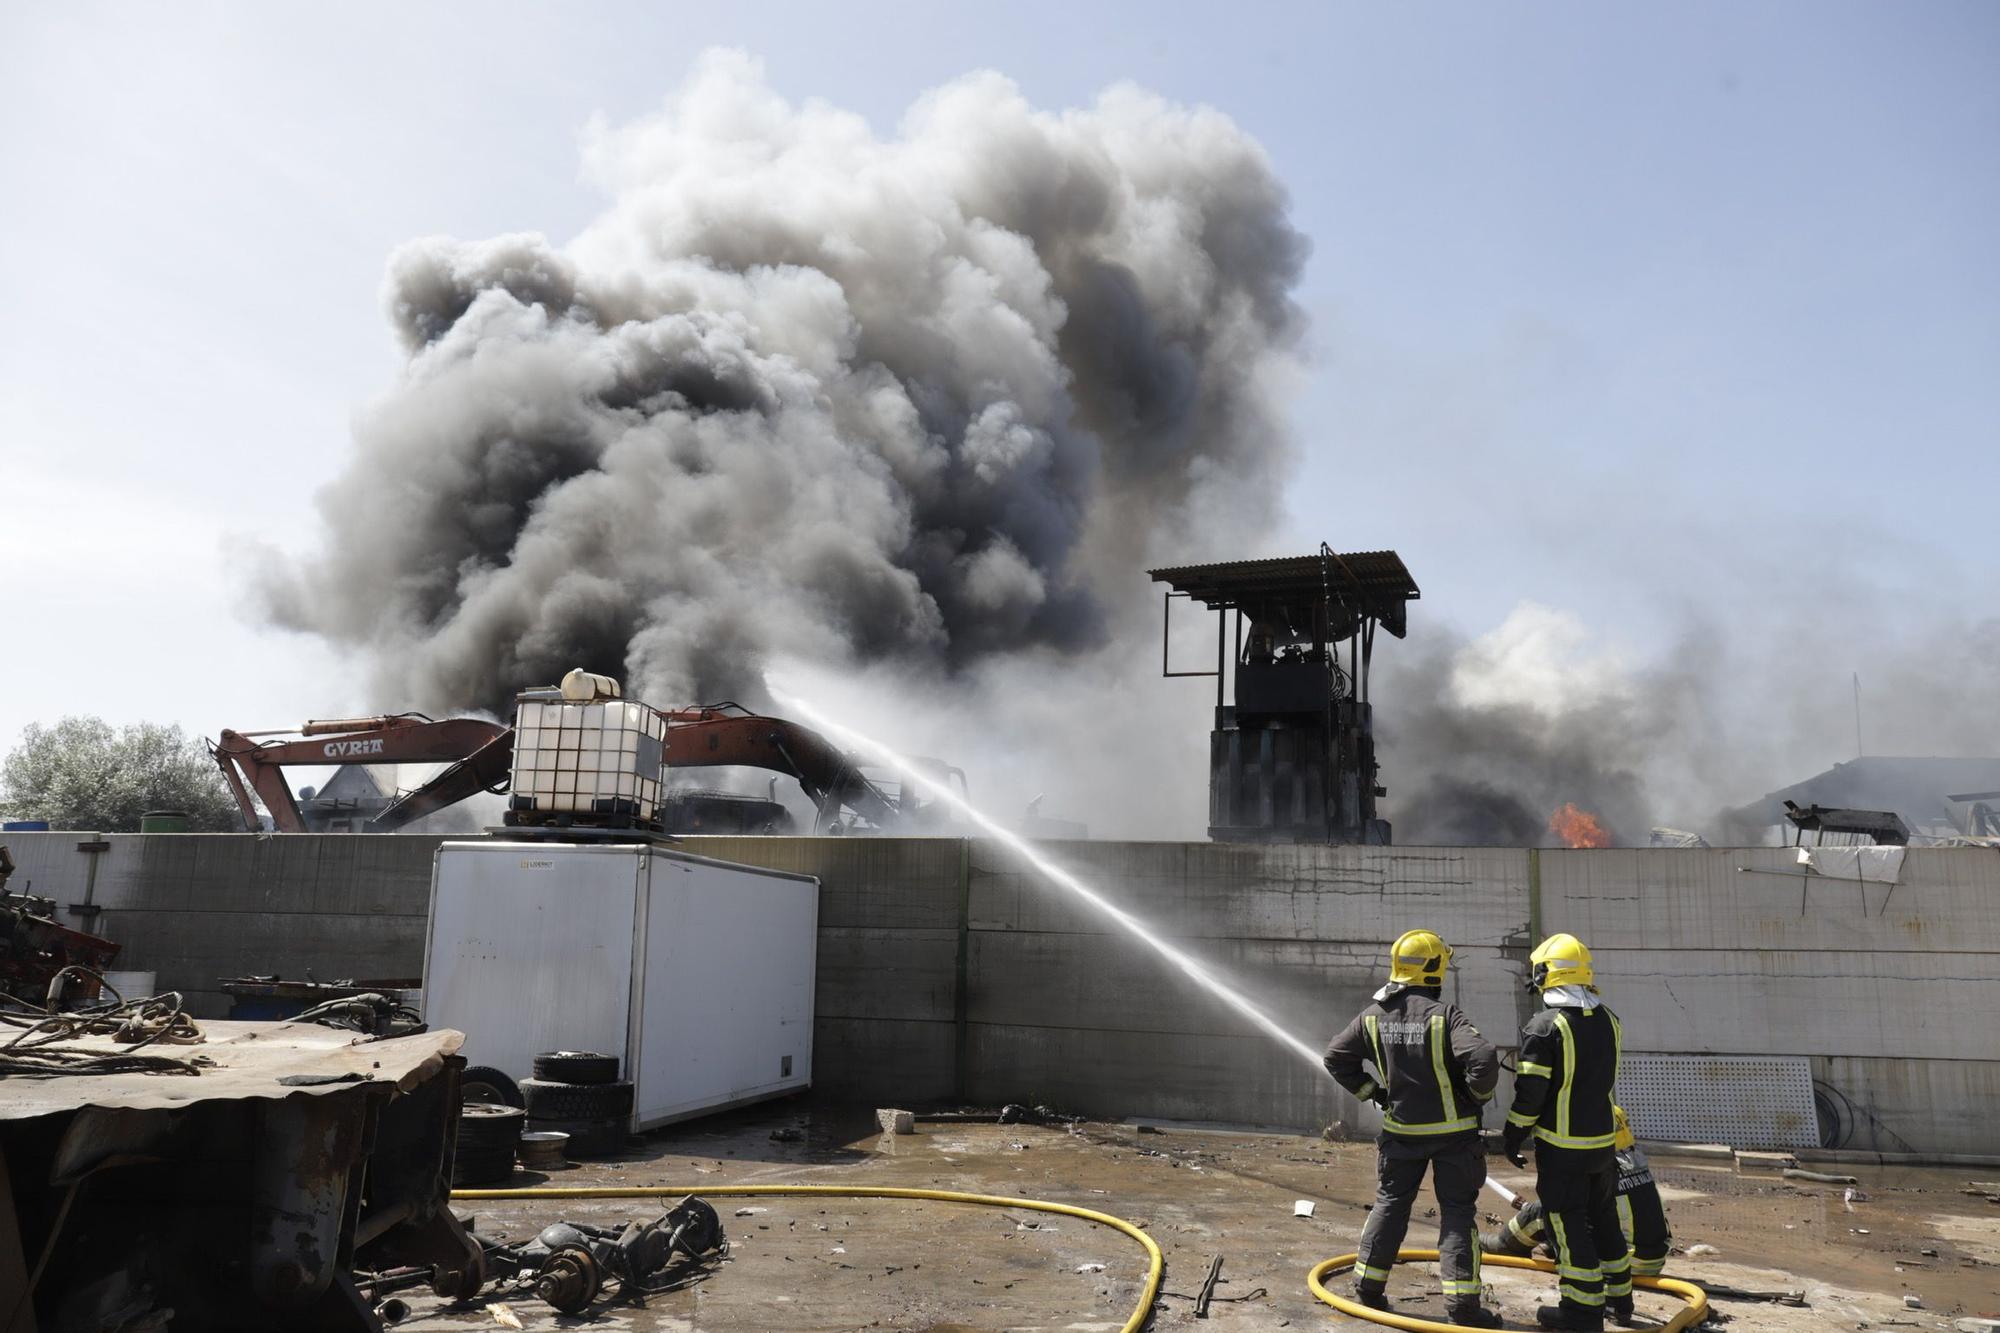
1364	583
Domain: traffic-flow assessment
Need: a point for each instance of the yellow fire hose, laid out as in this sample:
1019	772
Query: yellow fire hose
1155	1262
1689	1315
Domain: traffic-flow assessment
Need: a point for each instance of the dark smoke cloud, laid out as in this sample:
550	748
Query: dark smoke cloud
1483	738
805	391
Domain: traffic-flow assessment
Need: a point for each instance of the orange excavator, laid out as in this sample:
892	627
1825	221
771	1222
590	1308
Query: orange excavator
481	756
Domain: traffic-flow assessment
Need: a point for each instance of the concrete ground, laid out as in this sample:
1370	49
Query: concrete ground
836	1264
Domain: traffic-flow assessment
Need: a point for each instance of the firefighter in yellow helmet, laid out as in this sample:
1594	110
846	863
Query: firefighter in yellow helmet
1562	1098
1433	1073
1641	1214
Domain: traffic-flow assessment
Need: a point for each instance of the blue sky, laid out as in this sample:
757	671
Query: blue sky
1636	312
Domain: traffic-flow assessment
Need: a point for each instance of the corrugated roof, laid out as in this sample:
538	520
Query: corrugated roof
1375	580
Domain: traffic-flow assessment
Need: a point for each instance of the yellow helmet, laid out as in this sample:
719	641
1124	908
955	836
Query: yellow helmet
1418	958
1560	960
1621	1132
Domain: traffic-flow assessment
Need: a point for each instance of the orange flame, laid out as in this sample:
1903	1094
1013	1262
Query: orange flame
1578	828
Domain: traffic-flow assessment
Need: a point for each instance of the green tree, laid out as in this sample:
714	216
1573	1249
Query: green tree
82	774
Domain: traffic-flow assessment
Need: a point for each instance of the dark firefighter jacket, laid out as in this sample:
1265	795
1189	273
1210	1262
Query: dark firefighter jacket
1432	1064
1563	1079
1640	1213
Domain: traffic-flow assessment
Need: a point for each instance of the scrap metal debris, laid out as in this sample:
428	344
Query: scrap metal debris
569	1265
38	953
44	1037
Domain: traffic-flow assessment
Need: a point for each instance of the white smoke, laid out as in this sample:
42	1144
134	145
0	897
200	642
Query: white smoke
925	401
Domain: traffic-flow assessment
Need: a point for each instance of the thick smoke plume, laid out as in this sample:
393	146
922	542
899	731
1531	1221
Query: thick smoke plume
806	391
1484	738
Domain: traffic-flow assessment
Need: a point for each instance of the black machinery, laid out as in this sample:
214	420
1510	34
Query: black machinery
569	1263
1293	759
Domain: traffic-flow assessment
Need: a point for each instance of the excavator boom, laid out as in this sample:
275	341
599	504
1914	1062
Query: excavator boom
257	766
720	735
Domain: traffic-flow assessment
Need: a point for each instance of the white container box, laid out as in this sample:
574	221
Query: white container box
597	762
698	973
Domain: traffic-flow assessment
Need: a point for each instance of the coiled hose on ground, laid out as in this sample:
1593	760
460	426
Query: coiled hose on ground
1687	1317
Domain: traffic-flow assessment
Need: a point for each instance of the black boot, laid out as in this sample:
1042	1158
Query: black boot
1619	1310
1570	1318
1471	1314
1372	1294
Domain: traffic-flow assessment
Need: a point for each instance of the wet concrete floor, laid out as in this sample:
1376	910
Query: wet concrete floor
931	1267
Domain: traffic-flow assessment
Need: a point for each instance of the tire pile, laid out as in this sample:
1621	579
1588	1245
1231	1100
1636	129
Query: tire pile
579	1093
488	1134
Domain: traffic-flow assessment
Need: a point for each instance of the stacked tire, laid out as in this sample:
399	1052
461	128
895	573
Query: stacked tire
488	1135
579	1093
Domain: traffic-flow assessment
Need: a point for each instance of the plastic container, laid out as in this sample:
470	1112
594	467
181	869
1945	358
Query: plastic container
594	762
134	985
25	826
164	821
584	687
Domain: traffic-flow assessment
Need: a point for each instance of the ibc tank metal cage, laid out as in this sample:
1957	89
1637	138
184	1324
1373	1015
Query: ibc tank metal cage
593	759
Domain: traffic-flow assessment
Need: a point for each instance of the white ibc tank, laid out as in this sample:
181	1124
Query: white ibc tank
601	759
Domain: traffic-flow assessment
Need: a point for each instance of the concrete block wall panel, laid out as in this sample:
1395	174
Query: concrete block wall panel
193	951
1169	1075
331	874
869	883
1312	988
1916	1006
1225	890
48	864
1702	899
1301	929
1928	1106
887	974
877	1060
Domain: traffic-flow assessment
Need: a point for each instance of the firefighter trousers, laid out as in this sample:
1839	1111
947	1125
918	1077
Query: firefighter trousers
1457	1164
1579	1188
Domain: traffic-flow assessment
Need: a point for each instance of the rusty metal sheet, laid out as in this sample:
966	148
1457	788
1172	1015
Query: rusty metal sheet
270	1060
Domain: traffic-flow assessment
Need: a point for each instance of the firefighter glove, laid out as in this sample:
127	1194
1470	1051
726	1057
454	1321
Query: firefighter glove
1511	1140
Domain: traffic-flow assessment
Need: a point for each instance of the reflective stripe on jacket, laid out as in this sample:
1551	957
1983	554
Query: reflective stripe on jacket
1564	1077
1436	1069
1641	1216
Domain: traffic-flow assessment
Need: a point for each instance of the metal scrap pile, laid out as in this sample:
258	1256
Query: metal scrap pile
41	1040
571	1265
35	948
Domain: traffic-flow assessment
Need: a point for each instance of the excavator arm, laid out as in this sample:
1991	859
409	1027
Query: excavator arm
718	735
252	765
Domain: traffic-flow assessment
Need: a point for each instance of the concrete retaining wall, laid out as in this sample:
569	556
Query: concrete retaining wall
949	970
